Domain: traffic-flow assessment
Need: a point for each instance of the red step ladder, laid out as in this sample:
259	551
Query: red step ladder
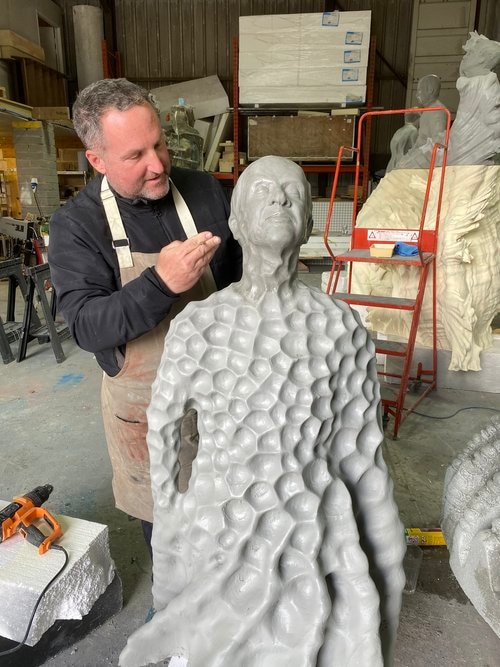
394	386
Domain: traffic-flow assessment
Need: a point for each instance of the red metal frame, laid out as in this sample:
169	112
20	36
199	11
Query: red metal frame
426	242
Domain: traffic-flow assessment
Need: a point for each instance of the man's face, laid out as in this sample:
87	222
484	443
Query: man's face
274	205
133	155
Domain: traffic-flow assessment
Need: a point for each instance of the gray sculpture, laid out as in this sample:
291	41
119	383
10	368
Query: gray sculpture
431	125
403	140
471	521
475	134
286	549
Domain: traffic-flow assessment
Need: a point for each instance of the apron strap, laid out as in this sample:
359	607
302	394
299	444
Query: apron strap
207	279
121	244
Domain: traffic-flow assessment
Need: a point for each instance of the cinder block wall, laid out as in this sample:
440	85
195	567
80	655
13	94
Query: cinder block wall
36	158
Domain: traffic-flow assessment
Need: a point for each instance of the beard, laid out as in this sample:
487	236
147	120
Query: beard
156	189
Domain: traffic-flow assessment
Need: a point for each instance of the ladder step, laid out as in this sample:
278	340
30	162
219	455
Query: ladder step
363	255
390	347
375	301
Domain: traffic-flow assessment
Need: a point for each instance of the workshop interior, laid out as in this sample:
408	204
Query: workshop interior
391	111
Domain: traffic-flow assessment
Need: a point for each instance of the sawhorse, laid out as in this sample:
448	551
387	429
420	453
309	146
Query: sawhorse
37	275
12	330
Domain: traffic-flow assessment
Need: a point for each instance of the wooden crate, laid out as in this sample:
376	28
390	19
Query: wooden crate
306	138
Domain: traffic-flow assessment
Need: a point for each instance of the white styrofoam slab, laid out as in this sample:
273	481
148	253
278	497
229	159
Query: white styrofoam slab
315	246
279	55
24	574
207	96
300	95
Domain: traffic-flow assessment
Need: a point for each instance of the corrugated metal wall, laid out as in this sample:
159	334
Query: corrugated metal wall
166	41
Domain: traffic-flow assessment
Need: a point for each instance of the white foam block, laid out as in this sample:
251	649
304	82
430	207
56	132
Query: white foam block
300	58
24	574
207	96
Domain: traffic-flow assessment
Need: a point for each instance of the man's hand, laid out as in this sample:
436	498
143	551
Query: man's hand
181	263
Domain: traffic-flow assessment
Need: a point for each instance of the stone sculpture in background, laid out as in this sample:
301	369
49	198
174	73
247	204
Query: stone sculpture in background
403	140
431	125
286	550
471	521
475	134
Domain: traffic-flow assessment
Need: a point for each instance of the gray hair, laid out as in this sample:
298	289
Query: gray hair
101	96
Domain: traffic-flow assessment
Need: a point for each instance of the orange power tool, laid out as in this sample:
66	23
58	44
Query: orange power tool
22	513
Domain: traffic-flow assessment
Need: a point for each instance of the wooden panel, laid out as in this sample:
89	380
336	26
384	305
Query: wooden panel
42	86
444	15
307	138
440	45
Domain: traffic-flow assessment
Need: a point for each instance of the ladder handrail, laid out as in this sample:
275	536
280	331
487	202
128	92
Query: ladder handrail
353	149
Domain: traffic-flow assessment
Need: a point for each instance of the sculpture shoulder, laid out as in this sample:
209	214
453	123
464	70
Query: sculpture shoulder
220	307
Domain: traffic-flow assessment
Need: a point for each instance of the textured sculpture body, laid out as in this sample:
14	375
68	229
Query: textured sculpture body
471	521
286	549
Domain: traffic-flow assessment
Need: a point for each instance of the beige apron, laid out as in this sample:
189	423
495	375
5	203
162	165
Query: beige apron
125	397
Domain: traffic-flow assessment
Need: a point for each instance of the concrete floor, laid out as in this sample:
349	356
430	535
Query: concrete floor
52	433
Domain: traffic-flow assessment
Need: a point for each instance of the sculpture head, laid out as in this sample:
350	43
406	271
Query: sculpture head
271	205
428	89
482	55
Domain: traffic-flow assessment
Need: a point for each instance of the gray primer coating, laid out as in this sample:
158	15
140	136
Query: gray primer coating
286	549
471	521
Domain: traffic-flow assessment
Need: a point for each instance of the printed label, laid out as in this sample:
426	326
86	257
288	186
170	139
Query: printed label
353	37
331	18
405	235
352	56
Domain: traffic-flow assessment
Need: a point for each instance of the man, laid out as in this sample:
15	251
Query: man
122	267
286	547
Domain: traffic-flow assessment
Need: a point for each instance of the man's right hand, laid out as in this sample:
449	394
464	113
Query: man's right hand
181	263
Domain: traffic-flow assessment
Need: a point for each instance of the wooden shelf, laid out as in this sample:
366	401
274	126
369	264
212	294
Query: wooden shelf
222	175
324	168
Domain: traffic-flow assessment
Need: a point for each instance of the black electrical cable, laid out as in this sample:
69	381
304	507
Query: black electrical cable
470	407
23	640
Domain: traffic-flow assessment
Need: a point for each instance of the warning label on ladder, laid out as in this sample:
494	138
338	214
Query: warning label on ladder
405	235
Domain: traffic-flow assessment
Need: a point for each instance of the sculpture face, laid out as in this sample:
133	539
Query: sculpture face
273	197
428	89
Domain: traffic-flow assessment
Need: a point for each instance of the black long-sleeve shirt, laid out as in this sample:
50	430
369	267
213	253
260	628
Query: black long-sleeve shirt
101	313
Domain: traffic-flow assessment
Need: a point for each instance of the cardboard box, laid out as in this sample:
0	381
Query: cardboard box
382	249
